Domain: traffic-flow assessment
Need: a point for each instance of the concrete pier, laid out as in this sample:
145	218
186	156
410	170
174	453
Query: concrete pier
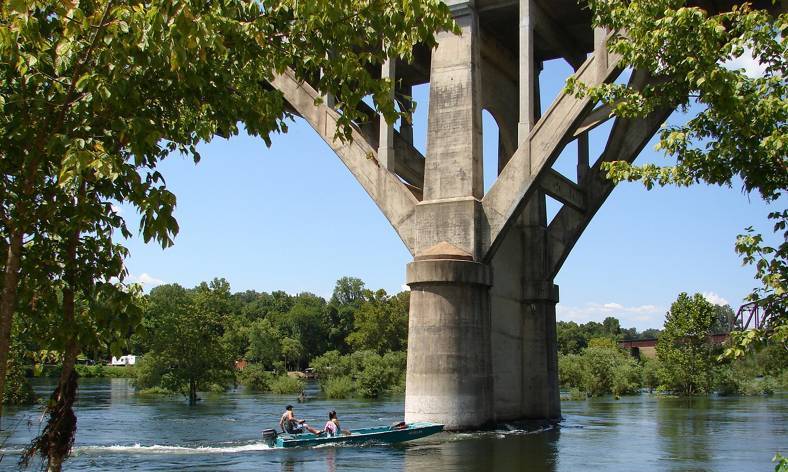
449	369
481	342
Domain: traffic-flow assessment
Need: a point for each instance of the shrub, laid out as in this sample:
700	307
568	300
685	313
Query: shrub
150	372
373	374
649	377
284	384
155	391
626	378
570	370
18	390
372	380
329	365
600	369
725	382
256	378
339	387
106	371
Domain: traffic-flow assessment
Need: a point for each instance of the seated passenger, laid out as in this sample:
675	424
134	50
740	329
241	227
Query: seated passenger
290	424
332	427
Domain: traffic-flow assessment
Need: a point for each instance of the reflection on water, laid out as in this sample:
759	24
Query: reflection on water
119	430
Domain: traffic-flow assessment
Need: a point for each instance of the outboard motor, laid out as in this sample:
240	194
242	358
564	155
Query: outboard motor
269	437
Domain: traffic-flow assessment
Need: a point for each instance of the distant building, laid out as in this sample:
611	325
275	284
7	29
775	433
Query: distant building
124	360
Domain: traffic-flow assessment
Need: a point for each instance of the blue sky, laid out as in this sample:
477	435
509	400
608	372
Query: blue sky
291	217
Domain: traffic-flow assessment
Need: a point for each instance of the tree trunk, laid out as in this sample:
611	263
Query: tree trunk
62	426
192	393
61	437
8	305
61	434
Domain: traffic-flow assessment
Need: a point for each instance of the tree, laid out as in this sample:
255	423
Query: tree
736	123
684	349
571	339
94	94
723	319
185	335
611	326
265	343
306	323
347	298
292	352
381	323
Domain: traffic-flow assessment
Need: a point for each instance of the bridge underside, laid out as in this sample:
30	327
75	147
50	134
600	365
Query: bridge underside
482	341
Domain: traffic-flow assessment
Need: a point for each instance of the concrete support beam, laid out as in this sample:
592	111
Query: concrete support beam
454	132
396	202
600	52
563	190
409	163
537	154
627	139
386	153
527	71
596	117
582	158
405	99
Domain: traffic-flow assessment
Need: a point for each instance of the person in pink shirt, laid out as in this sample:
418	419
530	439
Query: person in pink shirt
332	427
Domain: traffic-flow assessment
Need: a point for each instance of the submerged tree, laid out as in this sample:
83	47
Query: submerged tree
736	121
684	349
185	329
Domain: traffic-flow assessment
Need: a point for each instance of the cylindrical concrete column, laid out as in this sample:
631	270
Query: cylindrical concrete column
541	394
449	377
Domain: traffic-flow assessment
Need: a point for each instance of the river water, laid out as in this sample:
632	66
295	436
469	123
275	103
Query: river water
119	430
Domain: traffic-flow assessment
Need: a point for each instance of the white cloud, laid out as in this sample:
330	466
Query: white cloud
146	280
404	288
752	68
116	209
714	299
642	316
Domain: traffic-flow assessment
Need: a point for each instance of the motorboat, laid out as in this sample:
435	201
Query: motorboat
398	432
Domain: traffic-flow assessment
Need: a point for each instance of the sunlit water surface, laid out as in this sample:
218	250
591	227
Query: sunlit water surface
119	430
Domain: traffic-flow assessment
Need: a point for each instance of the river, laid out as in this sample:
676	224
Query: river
119	430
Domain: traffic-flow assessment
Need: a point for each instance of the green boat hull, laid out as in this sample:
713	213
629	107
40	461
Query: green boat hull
383	434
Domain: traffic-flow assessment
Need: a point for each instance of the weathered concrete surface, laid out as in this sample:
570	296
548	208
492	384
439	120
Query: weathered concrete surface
449	364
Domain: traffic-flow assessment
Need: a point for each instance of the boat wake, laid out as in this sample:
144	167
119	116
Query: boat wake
160	449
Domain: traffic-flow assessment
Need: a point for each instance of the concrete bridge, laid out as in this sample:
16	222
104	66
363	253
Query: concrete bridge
482	341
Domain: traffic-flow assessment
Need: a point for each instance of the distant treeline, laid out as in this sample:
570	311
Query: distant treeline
573	337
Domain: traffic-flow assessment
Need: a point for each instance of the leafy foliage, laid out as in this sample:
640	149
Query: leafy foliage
601	368
256	378
381	323
683	349
185	329
284	384
18	390
365	373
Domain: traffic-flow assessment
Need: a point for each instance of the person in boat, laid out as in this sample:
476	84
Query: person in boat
332	427
290	424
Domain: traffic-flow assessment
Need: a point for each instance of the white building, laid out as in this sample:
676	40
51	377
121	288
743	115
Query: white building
124	360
